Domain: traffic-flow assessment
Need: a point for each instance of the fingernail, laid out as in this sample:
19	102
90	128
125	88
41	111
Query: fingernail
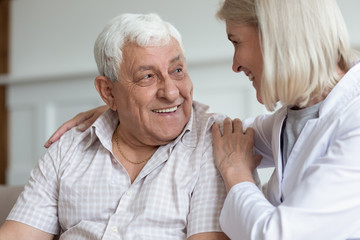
81	126
47	144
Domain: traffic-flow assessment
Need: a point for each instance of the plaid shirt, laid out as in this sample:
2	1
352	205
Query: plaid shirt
80	190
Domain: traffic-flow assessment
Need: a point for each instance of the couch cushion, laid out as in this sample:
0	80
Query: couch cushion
8	196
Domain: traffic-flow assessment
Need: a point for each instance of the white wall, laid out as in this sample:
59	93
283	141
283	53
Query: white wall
52	37
52	67
350	10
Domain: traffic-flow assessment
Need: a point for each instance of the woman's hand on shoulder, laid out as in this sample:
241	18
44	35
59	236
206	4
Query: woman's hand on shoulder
82	120
233	152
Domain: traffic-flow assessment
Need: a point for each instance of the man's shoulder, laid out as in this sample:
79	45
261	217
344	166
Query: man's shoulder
74	137
70	143
205	116
200	125
101	128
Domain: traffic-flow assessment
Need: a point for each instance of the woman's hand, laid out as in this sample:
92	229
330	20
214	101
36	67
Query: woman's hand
233	152
83	121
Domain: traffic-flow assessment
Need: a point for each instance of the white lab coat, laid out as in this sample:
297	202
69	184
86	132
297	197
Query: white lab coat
318	196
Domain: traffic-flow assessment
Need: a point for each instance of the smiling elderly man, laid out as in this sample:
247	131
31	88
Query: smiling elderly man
145	169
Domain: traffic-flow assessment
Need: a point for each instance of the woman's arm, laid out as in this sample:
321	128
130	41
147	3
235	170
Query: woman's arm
319	190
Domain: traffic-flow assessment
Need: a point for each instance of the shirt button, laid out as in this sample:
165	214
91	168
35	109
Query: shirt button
114	229
128	193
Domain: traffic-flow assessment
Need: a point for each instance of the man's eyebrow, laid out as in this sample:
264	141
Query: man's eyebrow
149	67
145	67
175	59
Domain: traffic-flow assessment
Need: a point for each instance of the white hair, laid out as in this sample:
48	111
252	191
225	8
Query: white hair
143	29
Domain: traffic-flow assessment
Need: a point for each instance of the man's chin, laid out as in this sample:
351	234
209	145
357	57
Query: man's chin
166	138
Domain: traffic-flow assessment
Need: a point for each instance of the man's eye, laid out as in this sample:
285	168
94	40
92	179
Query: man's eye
146	80
178	73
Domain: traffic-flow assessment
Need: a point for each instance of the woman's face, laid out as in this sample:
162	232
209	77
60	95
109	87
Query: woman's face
247	56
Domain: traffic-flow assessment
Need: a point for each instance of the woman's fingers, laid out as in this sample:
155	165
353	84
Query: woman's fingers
60	131
237	126
233	152
250	131
215	130
227	127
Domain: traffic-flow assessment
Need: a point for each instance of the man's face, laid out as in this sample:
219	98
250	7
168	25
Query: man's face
154	94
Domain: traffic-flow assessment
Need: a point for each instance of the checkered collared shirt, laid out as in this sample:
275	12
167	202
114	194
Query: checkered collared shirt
82	191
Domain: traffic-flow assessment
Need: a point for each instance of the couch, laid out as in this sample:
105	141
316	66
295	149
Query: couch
8	196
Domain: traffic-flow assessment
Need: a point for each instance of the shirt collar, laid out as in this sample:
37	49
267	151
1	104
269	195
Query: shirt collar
187	133
345	91
103	129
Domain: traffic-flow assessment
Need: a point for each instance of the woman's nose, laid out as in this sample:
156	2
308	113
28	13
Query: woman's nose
236	67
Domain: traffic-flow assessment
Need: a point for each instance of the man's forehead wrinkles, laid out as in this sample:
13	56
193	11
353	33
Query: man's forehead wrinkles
150	67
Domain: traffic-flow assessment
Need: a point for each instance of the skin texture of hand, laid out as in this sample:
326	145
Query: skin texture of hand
83	121
233	152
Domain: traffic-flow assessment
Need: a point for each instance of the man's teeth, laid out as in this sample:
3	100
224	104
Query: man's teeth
166	110
251	77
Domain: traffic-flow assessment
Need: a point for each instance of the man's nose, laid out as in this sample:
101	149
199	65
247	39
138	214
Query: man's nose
168	89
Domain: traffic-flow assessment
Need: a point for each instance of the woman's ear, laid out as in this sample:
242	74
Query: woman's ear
105	88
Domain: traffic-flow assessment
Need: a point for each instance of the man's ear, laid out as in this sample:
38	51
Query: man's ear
104	86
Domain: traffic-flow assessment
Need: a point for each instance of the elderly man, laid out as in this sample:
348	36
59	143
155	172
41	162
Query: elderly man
145	168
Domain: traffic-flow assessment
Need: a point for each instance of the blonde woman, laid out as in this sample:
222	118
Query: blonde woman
295	53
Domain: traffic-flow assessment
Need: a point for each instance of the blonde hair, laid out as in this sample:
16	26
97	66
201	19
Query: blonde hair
302	43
